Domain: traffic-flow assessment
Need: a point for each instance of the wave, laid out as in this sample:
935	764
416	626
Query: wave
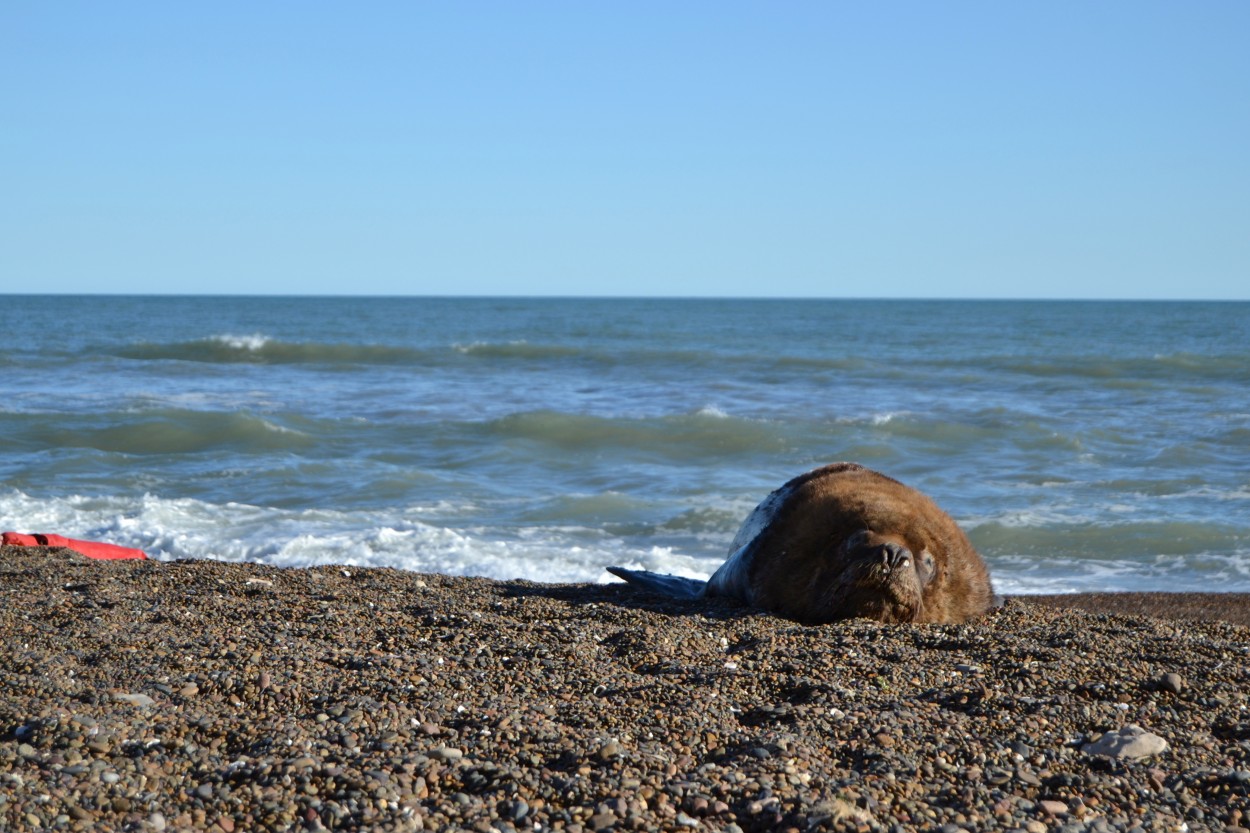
1135	371
1041	534
517	350
258	348
969	430
262	349
680	436
159	431
585	509
169	529
1197	573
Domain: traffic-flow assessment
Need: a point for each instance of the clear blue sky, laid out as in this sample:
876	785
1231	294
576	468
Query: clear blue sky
905	149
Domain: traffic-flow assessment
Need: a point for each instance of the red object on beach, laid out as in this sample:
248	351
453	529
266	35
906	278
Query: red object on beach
91	549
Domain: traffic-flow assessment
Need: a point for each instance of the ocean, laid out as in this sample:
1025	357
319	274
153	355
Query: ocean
1083	446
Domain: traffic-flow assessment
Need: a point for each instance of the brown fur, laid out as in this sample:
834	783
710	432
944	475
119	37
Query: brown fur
819	560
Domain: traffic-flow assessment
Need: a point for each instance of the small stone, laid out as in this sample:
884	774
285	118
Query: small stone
26	750
1171	682
1034	826
759	806
686	821
1129	742
1053	808
446	753
610	751
189	690
157	822
1028	777
141	700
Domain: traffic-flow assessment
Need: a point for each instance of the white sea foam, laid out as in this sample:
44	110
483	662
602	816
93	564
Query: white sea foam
487	346
1021	575
185	528
254	343
1033	518
876	419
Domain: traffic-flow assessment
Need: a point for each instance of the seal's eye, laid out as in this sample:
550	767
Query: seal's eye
857	540
925	566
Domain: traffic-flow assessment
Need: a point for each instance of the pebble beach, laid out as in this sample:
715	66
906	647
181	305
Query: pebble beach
201	695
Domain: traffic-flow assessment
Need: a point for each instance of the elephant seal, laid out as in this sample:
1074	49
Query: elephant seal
842	542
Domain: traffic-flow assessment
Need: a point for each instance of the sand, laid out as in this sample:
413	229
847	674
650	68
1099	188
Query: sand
212	696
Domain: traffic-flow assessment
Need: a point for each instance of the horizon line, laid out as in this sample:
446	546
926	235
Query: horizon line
610	297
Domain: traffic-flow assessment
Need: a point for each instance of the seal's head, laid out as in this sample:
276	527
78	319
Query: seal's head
844	542
882	577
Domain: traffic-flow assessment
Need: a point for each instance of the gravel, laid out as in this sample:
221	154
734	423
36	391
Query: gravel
213	696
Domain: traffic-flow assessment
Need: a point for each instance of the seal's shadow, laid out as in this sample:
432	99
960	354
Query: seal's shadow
626	596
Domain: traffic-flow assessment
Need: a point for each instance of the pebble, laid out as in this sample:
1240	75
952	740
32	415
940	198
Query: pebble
1171	682
447	753
1130	742
134	699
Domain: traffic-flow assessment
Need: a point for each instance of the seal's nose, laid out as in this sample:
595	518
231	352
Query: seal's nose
894	557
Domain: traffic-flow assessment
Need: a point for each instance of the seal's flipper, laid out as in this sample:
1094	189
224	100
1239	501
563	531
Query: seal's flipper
675	586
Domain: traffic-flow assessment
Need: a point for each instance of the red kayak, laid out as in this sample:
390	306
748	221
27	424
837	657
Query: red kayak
91	549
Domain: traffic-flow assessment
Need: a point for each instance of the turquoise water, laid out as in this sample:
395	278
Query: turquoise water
1084	446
